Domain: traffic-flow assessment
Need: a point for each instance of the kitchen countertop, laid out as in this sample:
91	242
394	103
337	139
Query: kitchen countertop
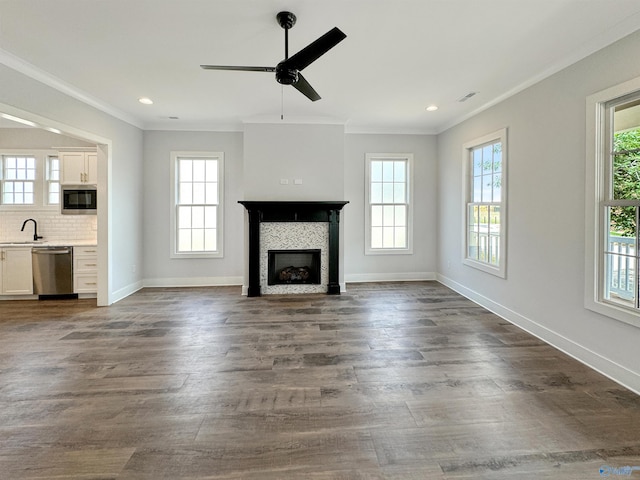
52	243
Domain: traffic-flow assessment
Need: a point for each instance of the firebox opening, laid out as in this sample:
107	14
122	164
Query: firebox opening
294	267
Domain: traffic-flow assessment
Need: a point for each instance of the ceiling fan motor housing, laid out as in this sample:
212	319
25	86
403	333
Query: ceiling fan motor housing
286	76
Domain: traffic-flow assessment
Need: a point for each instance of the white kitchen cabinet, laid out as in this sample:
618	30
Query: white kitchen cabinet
85	269
79	168
16	277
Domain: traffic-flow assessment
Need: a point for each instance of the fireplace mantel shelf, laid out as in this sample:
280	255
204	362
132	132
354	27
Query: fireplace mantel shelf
293	211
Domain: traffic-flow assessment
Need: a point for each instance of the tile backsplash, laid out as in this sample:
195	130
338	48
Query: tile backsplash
53	226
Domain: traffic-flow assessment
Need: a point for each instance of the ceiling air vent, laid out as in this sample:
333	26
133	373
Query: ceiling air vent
467	96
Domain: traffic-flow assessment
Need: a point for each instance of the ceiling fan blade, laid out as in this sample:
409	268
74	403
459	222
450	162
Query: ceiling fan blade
314	50
305	88
238	68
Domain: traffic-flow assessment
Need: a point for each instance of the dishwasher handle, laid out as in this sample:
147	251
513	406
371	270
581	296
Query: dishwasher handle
51	251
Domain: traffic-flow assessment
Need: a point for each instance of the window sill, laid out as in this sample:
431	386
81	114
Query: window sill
485	267
196	255
389	251
614	312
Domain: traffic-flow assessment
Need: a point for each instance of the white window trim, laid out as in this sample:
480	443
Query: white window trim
497	136
595	190
172	207
369	157
40	186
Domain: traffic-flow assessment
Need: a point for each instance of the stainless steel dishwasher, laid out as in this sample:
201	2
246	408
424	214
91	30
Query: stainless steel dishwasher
52	270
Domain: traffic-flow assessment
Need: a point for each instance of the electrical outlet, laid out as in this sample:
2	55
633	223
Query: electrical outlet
284	181
297	181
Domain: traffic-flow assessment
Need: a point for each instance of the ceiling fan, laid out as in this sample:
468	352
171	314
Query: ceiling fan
288	70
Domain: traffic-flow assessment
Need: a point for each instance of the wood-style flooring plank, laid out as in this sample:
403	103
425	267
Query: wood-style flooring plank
387	381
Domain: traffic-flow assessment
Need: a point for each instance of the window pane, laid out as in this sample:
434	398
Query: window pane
185	170
497	158
399	193
198	170
197	239
388	216
387	171
212	171
210	217
400	237
400	216
399	171
184	217
387	237
487	159
199	193
210	239
626	163
387	193
184	240
197	217
477	162
497	187
186	193
211	193
477	189
376	193
376	237
376	171
376	216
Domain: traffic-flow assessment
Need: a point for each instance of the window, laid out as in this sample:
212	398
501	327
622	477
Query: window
613	202
388	215
53	180
197	182
485	216
18	179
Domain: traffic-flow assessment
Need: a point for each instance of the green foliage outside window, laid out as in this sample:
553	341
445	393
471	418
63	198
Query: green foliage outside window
626	180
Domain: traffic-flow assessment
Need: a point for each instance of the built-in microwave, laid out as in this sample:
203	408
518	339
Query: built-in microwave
79	199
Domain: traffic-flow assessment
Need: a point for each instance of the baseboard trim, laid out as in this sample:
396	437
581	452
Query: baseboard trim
193	282
125	291
389	277
607	367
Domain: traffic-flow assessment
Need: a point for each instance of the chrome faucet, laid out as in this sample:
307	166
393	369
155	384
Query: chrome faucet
36	237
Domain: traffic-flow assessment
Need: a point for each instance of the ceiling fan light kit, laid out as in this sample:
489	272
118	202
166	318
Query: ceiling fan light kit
288	70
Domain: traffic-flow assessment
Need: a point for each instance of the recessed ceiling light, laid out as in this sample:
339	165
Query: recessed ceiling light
145	100
432	108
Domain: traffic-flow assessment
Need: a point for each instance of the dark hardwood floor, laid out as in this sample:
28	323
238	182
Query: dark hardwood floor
387	381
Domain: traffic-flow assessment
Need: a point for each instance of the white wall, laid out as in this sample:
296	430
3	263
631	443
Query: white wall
313	153
421	264
544	288
125	178
160	269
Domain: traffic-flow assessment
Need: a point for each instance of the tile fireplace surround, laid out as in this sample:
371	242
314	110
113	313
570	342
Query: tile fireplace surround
287	212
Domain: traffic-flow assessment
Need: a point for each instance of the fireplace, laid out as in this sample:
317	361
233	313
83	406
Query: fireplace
293	226
288	267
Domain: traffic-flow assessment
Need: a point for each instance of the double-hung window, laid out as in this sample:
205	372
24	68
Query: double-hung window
484	161
389	207
197	186
53	180
613	202
18	179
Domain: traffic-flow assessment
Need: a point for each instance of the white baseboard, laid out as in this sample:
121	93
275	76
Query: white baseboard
389	277
193	282
125	292
616	372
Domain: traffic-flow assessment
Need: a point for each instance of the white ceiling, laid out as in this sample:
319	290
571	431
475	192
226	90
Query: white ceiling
399	56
